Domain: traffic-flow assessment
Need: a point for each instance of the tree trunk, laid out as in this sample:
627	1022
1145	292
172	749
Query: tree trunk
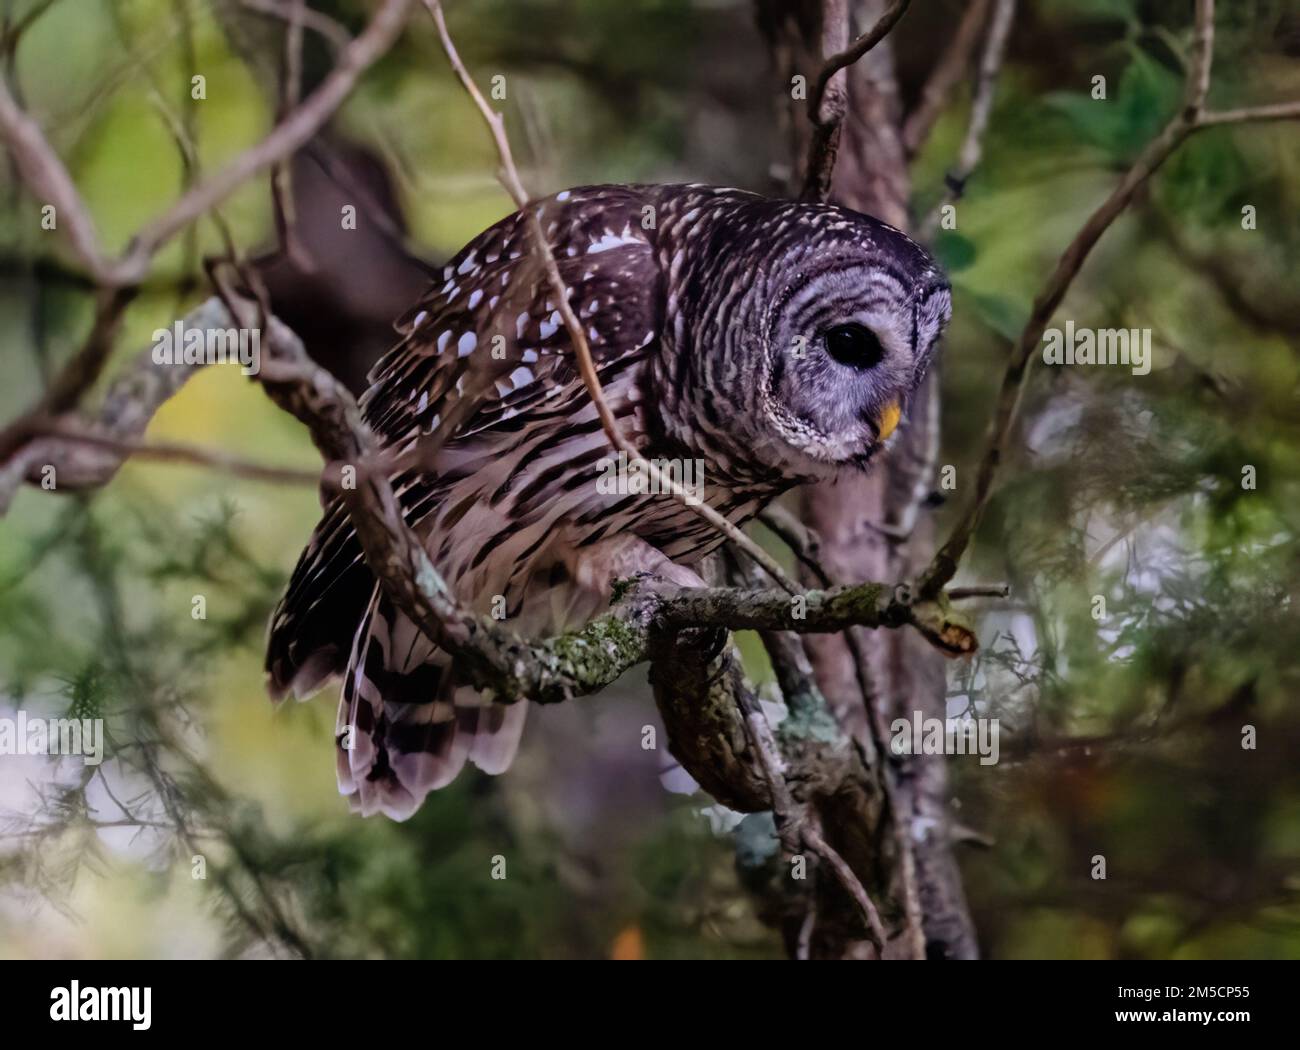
878	527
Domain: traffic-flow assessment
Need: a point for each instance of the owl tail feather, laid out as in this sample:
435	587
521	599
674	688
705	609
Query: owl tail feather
403	729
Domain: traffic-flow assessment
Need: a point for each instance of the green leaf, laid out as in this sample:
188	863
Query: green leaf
1132	114
1004	315
954	251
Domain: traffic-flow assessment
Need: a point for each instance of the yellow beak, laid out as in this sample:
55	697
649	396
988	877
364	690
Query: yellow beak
888	420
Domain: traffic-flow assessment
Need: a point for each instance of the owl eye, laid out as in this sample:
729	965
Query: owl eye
854	345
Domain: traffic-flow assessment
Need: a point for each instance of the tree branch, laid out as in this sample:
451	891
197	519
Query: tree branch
828	101
972	147
84	458
293	131
496	660
48	179
1191	117
944	77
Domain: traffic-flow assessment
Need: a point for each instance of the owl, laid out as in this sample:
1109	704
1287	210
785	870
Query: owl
767	342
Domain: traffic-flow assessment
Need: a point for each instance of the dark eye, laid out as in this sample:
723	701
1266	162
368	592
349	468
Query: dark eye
854	345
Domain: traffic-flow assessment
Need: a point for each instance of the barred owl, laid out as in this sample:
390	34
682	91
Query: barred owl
774	342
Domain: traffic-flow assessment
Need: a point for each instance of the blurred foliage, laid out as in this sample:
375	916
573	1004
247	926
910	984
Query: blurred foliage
1121	734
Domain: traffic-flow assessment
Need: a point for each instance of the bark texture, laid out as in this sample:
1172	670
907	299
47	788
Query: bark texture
879	527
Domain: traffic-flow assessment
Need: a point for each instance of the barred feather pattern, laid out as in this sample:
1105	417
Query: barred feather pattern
687	295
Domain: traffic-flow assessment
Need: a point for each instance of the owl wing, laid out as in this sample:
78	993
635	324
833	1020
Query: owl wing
484	354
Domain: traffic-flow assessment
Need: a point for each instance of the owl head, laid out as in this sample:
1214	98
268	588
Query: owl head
815	325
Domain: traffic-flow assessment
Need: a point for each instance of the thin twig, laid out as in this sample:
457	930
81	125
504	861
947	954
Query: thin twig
287	136
851	883
944	77
788	813
282	195
844	59
296	11
77	433
50	182
794	824
802	541
43	171
829	99
1191	117
1251	114
993	590
972	147
76	377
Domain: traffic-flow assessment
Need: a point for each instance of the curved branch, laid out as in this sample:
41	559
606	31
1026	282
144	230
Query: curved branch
830	97
1191	117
